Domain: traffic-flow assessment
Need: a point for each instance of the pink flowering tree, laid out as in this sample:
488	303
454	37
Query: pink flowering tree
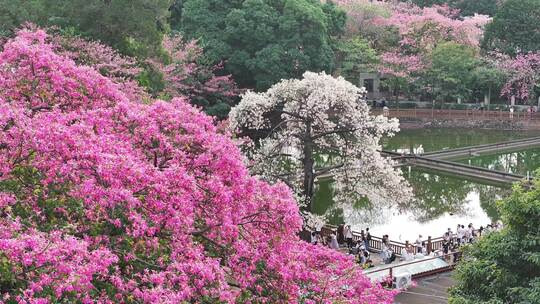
178	73
120	69
421	31
183	75
104	199
361	17
522	75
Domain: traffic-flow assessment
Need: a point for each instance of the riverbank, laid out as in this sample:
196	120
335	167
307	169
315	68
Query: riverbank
468	119
428	123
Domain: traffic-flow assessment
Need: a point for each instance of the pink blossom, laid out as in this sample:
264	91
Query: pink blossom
522	74
111	200
421	30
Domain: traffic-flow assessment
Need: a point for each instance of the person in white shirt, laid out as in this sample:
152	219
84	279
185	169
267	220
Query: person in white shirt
466	236
408	255
418	243
471	232
314	238
348	235
333	241
460	233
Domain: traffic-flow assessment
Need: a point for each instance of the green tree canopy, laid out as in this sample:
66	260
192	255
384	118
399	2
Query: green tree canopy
466	7
487	79
471	7
354	56
451	70
263	41
428	3
504	267
14	13
515	28
134	27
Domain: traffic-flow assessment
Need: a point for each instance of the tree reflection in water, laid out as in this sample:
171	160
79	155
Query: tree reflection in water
409	140
436	195
518	162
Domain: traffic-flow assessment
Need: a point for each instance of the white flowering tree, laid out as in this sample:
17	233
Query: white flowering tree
320	127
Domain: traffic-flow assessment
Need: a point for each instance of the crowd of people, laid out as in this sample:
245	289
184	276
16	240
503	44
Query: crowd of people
453	240
343	239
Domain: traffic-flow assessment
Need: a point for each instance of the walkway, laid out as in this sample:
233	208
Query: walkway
433	290
436	160
484	149
491	176
417	268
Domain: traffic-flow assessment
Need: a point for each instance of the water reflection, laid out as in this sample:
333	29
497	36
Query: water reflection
440	201
518	162
427	140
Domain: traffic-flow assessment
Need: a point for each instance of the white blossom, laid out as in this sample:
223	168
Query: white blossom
320	127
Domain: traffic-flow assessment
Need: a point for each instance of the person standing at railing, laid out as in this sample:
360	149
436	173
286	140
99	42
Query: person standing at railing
408	255
423	252
333	241
348	236
447	239
340	236
467	236
471	232
314	238
460	231
368	239
418	244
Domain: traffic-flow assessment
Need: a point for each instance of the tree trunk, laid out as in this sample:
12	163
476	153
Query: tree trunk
309	176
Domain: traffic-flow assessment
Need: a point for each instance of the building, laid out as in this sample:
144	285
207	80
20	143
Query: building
373	84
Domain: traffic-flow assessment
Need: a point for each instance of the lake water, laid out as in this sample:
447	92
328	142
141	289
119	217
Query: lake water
441	201
410	140
518	162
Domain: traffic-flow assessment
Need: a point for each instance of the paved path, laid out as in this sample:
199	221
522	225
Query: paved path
436	160
432	290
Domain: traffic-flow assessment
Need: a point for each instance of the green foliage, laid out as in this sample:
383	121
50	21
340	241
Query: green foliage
450	73
134	27
487	76
355	56
466	7
361	22
396	86
471	7
152	80
50	199
429	3
486	79
262	41
515	28
219	109
504	267
14	13
404	105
